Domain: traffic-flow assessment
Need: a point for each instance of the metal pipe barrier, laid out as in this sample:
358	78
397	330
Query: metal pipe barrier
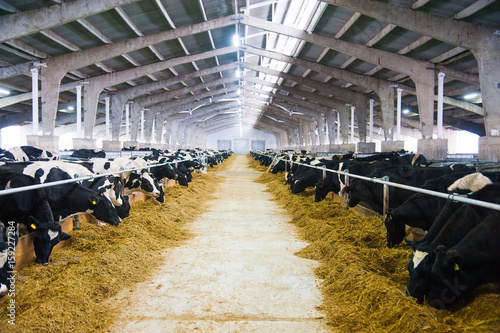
79	179
454	196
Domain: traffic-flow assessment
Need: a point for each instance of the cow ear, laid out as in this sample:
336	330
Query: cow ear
33	223
93	200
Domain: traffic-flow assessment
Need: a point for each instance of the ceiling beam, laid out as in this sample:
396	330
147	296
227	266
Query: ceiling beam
29	22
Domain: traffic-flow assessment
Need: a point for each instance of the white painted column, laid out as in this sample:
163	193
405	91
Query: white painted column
142	125
371	119
352	123
398	128
34	97
440	105
106	99
127	121
338	127
78	111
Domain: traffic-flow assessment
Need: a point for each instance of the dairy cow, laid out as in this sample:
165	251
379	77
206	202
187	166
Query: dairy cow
66	199
32	209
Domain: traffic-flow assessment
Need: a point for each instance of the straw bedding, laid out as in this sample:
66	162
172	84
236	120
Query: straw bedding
98	261
364	281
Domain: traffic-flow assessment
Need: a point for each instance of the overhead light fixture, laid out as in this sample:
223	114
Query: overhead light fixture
4	91
71	108
239	91
237	73
406	111
471	96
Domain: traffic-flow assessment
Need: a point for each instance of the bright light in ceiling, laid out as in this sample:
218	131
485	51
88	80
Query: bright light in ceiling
471	96
4	91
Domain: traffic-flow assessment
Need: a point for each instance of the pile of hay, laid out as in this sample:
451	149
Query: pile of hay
99	261
364	281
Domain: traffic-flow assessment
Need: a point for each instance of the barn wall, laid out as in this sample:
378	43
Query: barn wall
234	133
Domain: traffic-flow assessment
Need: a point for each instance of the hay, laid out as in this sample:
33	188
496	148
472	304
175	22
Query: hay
99	261
363	280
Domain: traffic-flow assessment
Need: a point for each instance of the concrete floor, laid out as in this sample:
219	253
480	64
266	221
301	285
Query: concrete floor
239	274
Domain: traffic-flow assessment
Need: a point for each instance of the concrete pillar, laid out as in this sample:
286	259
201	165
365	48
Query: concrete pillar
352	124
330	119
51	78
313	127
344	112
433	149
386	95
321	129
117	106
365	147
425	98
489	148
361	105
127	121
90	103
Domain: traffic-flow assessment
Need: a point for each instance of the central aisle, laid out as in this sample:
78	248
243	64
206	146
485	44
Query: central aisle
238	274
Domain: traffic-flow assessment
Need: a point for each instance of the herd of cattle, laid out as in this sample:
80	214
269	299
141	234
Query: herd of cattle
461	246
104	197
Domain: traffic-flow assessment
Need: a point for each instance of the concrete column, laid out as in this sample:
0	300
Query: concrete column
321	129
312	130
307	134
338	127
90	103
117	107
51	78
386	95
148	125
34	103
425	98
135	118
440	105
330	119
344	123
361	105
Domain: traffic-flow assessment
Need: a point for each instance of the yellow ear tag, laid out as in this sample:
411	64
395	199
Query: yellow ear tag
456	267
33	226
94	202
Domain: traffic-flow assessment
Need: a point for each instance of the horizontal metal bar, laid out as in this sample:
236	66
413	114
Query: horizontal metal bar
79	179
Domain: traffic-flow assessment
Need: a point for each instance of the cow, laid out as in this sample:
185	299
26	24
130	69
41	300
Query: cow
28	153
372	193
451	226
32	209
66	199
132	181
5	268
88	153
418	211
475	260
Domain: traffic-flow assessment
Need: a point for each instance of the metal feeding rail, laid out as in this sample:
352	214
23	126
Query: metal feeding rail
79	179
385	181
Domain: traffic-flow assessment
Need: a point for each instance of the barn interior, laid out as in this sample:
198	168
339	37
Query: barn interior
325	76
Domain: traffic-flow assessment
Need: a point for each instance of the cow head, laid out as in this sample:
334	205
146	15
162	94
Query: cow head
47	235
447	283
419	268
124	210
395	230
102	209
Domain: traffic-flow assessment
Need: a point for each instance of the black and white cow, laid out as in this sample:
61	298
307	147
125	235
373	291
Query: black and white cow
28	153
66	199
88	153
32	209
141	181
